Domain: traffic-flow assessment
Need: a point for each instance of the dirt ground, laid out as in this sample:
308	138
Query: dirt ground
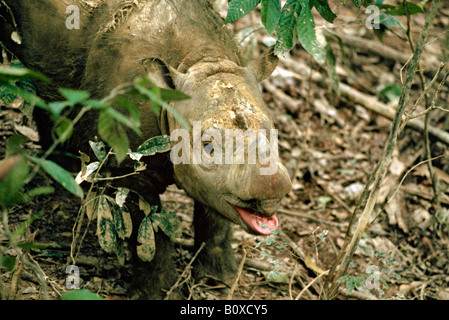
330	146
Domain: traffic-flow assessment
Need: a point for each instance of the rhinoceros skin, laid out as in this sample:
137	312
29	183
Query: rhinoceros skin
178	44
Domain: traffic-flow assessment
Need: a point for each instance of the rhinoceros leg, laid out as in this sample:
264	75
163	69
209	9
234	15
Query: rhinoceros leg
151	280
216	259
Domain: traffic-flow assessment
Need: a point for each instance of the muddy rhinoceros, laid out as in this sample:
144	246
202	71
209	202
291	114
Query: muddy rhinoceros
179	44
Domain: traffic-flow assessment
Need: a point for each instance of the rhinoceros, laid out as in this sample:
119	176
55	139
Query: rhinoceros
179	44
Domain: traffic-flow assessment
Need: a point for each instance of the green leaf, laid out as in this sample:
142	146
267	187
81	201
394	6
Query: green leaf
12	184
240	8
13	144
145	236
12	73
74	96
99	149
322	6
306	33
285	31
64	129
357	3
95	104
155	145
324	200
168	222
40	191
270	14
107	236
122	221
120	117
157	101
8	262
113	133
26	95
399	10
81	294
172	95
61	175
57	107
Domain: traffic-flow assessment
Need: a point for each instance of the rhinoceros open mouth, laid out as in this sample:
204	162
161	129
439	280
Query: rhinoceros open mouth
256	222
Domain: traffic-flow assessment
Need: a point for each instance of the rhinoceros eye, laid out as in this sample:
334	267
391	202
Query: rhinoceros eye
209	148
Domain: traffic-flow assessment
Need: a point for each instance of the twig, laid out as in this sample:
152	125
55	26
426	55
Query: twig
349	247
369	102
239	273
15	282
186	270
311	283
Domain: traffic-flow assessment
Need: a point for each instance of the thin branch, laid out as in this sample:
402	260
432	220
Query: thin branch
384	162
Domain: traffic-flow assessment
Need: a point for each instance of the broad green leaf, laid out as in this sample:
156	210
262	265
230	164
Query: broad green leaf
81	294
155	145
240	8
306	33
270	14
57	107
12	184
132	123
107	236
29	97
145	233
145	236
99	149
168	222
12	73
13	144
74	96
399	10
8	262
322	6
146	251
61	176
285	32
64	130
172	95
113	133
122	221
158	102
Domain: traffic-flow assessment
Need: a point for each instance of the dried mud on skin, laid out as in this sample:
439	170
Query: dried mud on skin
329	150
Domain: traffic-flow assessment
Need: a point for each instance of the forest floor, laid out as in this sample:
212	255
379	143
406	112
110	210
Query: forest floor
330	145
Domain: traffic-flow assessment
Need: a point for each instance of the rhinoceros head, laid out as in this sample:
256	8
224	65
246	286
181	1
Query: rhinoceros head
228	159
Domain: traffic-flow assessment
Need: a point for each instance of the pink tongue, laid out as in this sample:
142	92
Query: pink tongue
262	225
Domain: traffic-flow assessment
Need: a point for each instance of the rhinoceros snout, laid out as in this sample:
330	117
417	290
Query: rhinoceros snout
248	184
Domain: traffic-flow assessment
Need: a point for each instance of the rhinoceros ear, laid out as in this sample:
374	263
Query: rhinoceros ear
264	66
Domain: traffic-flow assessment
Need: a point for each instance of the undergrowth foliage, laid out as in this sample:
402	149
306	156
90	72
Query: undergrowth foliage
290	23
116	114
